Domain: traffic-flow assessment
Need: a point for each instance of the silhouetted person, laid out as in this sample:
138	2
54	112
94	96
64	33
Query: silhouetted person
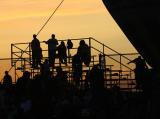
140	70
7	80
102	61
77	69
69	46
52	45
84	51
62	55
61	75
40	56
36	51
87	80
97	77
45	70
23	83
60	82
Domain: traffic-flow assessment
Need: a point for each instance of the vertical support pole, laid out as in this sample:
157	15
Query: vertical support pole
103	49
120	60
12	63
30	53
21	59
104	65
120	71
90	49
24	65
69	55
15	73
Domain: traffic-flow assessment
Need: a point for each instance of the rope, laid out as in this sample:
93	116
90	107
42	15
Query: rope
50	17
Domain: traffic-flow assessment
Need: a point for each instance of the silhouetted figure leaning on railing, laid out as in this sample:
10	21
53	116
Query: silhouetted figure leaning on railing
140	71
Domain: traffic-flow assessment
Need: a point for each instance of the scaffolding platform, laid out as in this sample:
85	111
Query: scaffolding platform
116	69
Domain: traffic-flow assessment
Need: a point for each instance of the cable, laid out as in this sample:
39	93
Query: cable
41	28
50	17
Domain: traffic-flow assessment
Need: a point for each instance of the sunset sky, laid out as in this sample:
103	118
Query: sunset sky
19	19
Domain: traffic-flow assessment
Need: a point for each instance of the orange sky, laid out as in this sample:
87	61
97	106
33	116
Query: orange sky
19	19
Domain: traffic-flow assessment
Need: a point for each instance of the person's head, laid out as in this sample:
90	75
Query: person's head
69	41
34	35
6	72
53	35
82	42
26	74
62	43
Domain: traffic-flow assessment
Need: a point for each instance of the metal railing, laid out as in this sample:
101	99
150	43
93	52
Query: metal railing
114	61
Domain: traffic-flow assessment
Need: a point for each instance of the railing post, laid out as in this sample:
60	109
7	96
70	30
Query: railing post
12	55
103	49
89	41
120	60
120	71
24	65
90	49
15	73
30	53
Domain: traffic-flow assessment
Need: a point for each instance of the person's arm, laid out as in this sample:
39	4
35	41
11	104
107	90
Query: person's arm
46	42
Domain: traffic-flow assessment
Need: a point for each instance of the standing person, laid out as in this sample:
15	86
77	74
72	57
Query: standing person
69	46
40	56
97	77
77	69
45	70
140	70
52	45
7	80
84	52
62	53
36	51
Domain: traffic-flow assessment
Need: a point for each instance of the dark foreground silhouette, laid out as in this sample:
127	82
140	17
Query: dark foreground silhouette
53	97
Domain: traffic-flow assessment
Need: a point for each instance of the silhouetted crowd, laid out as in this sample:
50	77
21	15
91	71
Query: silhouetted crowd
48	96
56	98
53	47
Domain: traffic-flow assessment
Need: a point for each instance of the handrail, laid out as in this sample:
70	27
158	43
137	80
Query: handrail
21	49
124	54
110	49
89	41
117	53
113	59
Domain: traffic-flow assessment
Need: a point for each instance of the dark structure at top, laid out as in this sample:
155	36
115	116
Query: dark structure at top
140	21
